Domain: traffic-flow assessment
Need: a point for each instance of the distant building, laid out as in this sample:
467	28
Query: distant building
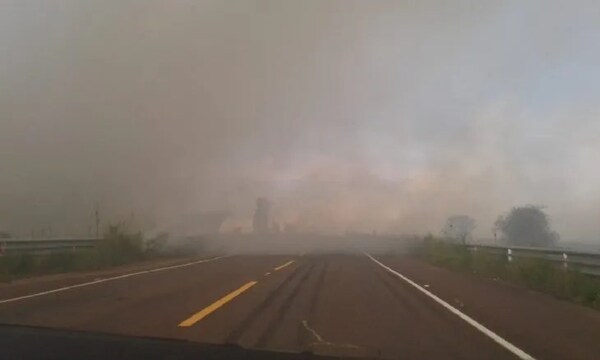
260	221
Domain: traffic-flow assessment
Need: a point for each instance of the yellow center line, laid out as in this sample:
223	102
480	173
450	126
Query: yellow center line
284	265
214	306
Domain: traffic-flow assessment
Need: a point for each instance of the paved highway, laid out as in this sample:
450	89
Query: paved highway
332	304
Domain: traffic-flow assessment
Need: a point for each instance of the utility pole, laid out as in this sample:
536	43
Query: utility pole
97	217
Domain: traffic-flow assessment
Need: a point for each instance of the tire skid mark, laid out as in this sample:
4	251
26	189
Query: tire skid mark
317	290
235	335
390	283
308	337
303	340
276	322
452	310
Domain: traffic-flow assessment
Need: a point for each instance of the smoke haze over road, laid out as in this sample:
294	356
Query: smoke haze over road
345	115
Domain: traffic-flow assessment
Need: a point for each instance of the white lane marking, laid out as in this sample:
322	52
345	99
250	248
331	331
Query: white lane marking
497	338
98	281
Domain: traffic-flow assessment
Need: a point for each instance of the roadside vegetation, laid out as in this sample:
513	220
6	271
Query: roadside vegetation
119	247
526	225
538	274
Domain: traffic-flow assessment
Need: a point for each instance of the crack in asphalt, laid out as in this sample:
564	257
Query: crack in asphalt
323	342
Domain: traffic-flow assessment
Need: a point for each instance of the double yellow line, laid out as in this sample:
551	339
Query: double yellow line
224	300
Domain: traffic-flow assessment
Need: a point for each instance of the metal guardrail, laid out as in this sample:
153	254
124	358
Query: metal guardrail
41	246
585	262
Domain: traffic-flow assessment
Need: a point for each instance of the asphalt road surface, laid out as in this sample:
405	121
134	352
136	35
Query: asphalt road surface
330	304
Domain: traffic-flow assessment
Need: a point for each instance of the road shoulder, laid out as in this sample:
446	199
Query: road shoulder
546	327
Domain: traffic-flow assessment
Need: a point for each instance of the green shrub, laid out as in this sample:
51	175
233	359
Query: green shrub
156	244
446	254
119	247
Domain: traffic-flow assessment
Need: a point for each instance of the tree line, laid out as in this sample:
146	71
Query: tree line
525	225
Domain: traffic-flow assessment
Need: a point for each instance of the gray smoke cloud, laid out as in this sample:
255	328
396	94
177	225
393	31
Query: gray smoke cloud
347	115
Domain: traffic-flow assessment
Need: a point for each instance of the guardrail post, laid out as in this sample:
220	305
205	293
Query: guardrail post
509	255
565	260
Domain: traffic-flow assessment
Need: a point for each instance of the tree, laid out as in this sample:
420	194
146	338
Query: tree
526	226
458	228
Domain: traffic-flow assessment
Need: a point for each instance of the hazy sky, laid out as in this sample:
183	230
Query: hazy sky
347	115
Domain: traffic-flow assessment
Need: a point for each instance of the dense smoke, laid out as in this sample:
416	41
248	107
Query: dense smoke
347	116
